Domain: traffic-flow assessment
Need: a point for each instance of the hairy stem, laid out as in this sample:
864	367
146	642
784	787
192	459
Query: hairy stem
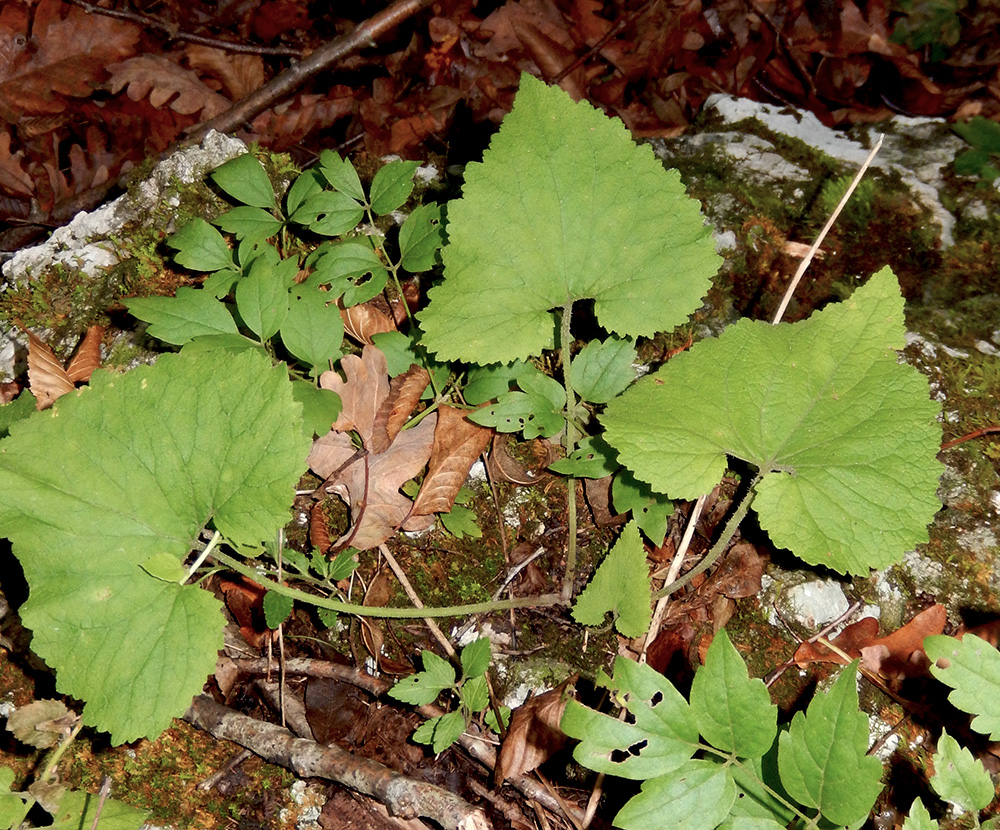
543	601
720	546
571	437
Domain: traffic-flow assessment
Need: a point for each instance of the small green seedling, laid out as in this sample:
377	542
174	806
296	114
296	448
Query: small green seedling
984	159
471	691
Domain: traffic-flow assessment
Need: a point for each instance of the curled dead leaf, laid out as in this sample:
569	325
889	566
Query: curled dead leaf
364	320
534	735
457	444
48	379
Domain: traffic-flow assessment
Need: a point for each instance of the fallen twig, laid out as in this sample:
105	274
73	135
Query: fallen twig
330	53
403	796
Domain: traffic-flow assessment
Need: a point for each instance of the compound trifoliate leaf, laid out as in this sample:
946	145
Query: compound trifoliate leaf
142	461
192	313
959	778
564	206
424	686
823	757
441	732
733	712
698	796
621	585
244	179
662	737
844	434
971	666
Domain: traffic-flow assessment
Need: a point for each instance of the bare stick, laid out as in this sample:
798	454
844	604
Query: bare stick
403	796
297	74
822	234
101	798
431	625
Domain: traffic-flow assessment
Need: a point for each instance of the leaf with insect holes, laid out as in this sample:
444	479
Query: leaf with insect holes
959	778
575	210
662	738
192	313
329	213
971	666
244	179
823	757
844	434
621	585
420	237
148	458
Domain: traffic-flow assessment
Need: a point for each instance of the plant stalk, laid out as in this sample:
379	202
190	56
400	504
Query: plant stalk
544	601
720	545
571	438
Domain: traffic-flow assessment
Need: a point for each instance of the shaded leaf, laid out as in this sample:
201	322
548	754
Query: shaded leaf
700	795
823	757
919	818
621	585
534	735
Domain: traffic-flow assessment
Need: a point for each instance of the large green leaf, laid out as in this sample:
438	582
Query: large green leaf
733	712
823	757
971	666
192	313
127	470
844	434
564	206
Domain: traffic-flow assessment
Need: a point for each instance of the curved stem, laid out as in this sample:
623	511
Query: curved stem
571	438
543	601
720	546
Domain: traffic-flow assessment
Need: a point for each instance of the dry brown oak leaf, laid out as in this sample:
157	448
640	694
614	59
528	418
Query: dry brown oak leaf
369	481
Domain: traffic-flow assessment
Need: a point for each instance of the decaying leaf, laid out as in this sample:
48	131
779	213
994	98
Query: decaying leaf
534	735
240	74
167	84
404	394
361	321
46	376
457	444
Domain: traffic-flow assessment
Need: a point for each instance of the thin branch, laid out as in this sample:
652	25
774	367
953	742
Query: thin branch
412	594
175	34
282	85
403	796
822	234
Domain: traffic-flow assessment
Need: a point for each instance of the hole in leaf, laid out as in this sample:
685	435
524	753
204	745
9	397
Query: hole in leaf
656	699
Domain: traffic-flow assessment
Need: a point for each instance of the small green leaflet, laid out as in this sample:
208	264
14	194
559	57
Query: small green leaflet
424	687
733	712
249	223
592	458
313	329
698	796
461	522
662	738
420	237
392	186
959	778
146	459
844	434
621	585
440	732
329	213
919	818
476	657
277	609
649	509
971	666
192	313
13	807
262	299
603	370
244	179
201	247
320	407
555	173
340	173
823	757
